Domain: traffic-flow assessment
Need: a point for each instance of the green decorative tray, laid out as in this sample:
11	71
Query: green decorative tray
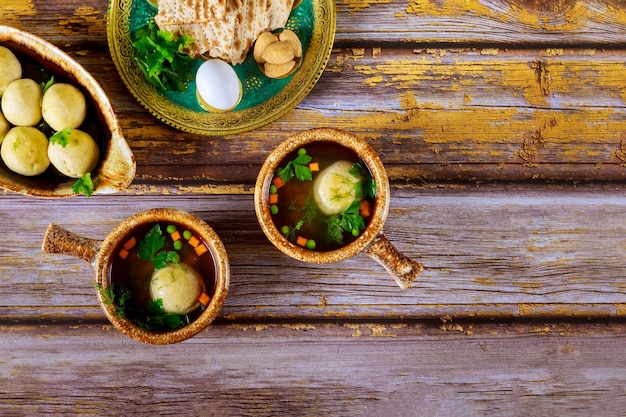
264	99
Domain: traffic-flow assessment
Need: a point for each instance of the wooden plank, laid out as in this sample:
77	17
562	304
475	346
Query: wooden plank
307	369
513	22
477	115
486	253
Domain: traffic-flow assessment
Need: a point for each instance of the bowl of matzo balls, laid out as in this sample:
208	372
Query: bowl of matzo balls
59	135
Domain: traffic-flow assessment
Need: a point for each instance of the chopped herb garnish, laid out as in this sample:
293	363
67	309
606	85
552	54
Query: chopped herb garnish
150	249
161	58
157	319
335	231
62	137
45	86
367	186
84	185
108	296
298	168
351	219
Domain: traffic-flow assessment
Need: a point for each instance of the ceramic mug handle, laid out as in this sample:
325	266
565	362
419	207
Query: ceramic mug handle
59	240
403	269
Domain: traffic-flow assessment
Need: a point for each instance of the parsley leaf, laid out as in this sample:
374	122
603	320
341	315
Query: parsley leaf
84	185
149	248
298	168
367	186
62	137
351	219
158	319
161	58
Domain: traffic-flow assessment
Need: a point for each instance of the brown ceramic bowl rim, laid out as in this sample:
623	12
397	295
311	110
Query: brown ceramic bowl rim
117	167
367	154
111	243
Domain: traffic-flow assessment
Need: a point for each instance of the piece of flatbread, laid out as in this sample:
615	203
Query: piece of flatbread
224	29
187	12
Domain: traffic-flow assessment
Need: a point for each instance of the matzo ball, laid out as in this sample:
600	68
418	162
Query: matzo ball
4	126
178	286
21	102
10	68
63	106
79	156
25	150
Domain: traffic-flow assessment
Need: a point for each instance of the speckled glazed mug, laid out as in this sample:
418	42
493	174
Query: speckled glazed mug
100	255
372	240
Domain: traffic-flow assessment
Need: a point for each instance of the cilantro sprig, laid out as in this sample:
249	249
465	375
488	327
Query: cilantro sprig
150	249
298	167
161	57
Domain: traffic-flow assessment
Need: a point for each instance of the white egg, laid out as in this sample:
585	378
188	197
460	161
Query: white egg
218	86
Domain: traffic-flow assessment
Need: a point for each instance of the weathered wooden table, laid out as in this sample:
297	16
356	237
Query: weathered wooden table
502	125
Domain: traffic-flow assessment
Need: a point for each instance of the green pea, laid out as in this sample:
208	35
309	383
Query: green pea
273	189
273	209
171	228
285	230
187	234
310	244
355	232
176	258
302	151
178	245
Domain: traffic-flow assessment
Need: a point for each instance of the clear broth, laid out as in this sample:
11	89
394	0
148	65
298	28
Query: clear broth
133	274
295	194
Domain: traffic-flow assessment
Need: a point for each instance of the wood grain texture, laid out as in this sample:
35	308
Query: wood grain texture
354	369
501	126
486	253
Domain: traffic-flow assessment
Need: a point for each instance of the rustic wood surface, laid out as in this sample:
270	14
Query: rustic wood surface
502	127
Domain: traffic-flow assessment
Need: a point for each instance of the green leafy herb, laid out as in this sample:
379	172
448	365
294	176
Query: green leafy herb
335	231
45	86
108	296
367	186
160	55
150	249
157	319
84	185
62	137
351	219
298	168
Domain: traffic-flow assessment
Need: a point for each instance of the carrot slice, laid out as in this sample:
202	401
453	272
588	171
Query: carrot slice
204	299
123	253
175	236
194	241
278	182
301	241
314	166
365	210
130	243
200	249
273	198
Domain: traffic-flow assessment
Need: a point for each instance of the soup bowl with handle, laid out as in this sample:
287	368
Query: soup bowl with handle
101	254
372	241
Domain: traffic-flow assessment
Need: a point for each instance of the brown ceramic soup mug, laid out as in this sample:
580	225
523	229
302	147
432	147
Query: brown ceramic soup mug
323	196
161	275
